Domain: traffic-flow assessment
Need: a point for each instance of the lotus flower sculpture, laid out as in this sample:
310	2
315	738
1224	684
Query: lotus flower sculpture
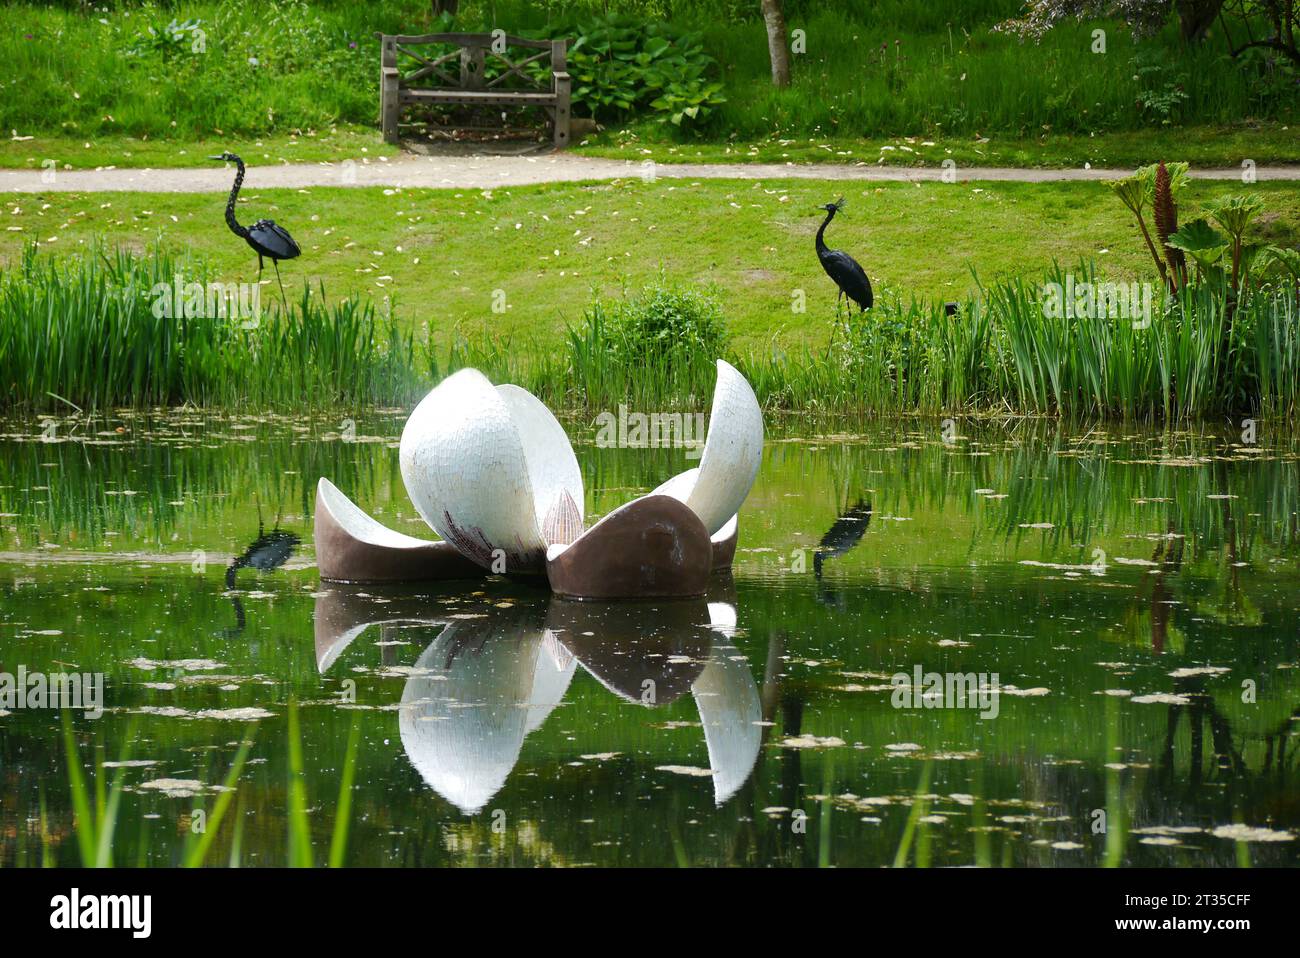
491	471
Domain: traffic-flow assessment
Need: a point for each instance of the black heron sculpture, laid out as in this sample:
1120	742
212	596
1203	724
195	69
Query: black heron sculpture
848	275
268	239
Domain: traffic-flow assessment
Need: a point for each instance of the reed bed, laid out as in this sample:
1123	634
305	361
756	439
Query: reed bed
1201	353
85	331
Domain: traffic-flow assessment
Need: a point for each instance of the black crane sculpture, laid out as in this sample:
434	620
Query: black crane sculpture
266	238
848	275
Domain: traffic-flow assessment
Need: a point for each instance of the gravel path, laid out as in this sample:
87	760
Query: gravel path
487	172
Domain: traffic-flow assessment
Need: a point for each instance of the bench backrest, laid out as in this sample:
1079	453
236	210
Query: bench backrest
478	61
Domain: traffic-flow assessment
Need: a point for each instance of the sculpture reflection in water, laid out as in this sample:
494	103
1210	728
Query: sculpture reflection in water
484	684
266	553
841	538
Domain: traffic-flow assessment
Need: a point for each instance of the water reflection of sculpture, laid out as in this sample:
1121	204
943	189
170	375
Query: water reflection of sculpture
484	684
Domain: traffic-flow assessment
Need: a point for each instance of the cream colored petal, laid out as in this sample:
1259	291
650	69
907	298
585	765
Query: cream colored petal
551	677
467	472
732	453
680	487
359	524
726	532
552	467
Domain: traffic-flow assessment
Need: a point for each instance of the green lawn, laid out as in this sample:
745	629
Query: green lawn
1202	146
129	152
442	255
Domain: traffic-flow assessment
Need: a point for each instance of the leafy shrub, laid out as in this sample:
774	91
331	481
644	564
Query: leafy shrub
623	65
655	347
665	322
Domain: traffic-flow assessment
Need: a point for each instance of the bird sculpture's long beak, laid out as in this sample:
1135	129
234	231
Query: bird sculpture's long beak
217	158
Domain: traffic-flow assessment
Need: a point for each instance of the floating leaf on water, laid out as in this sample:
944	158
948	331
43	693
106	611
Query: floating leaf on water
175	787
808	740
1161	698
1245	833
685	770
180	787
189	665
235	715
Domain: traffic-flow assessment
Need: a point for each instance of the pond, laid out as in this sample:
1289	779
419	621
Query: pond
1122	604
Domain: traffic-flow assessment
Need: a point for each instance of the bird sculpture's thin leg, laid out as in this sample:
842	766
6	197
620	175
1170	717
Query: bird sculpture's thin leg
260	264
276	264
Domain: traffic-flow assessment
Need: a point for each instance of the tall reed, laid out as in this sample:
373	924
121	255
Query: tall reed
87	331
101	329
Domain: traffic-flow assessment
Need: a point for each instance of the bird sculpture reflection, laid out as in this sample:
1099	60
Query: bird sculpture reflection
845	533
848	275
268	239
267	552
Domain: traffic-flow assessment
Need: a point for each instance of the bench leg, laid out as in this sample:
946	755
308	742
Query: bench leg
562	114
388	108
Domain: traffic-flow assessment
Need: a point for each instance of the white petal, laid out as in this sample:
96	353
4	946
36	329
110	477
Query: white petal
726	532
552	467
732	454
466	470
680	487
359	524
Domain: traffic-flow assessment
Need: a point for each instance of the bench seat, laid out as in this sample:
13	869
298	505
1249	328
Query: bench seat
459	77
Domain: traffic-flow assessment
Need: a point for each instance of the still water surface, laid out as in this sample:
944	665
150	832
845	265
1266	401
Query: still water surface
1132	596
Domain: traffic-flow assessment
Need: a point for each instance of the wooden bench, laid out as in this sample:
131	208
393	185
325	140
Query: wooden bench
412	73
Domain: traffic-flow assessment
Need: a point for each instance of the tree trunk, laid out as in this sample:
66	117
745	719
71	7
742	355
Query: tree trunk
778	42
1195	18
